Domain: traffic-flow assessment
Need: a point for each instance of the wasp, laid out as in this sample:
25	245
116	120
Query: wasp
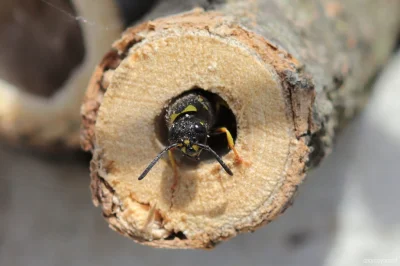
190	120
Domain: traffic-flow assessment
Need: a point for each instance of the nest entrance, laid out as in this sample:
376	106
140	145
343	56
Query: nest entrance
224	118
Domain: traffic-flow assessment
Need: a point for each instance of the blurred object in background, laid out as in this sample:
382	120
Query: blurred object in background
133	10
48	51
38	46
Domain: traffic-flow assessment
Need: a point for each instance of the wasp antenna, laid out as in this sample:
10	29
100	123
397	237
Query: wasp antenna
219	159
145	172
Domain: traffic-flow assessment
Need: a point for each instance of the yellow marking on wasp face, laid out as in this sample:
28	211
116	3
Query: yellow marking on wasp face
200	99
190	108
186	141
202	123
173	117
195	147
183	149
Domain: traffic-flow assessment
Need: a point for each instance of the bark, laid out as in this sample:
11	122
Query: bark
292	72
47	56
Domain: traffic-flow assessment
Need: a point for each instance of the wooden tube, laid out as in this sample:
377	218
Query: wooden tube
292	72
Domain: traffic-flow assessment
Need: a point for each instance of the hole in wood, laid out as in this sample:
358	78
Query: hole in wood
180	235
224	117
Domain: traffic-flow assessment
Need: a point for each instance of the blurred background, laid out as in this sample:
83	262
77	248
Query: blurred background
346	213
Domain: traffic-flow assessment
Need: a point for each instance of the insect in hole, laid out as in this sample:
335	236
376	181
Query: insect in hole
190	120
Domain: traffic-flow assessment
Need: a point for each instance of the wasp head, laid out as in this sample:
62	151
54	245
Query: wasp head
188	132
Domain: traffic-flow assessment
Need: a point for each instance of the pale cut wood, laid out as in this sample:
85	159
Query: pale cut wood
53	120
292	73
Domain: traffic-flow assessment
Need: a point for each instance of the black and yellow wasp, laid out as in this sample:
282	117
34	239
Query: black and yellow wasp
190	120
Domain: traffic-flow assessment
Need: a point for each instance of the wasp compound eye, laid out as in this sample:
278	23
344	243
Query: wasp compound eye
199	128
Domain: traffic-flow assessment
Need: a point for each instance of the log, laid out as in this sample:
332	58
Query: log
48	52
292	73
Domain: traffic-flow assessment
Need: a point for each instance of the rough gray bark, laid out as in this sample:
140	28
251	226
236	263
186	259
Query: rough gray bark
322	55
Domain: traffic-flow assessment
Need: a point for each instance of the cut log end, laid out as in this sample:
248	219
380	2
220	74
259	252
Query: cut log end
157	62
